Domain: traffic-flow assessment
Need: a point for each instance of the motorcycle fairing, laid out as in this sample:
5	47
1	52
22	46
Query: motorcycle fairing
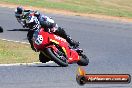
43	38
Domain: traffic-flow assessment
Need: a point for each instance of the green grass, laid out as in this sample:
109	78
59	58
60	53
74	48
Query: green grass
121	8
11	52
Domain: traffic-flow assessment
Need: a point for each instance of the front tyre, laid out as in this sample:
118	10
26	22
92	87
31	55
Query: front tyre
58	58
83	60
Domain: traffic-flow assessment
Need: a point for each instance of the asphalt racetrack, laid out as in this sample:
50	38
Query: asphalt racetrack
108	44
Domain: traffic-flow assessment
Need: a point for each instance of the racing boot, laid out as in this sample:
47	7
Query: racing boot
61	32
79	51
72	42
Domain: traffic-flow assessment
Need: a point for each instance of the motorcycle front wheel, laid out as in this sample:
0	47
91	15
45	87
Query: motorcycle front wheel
58	58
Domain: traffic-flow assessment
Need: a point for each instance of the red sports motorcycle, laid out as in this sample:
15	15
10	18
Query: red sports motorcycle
55	48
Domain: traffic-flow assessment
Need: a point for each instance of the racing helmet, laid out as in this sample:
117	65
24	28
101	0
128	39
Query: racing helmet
19	11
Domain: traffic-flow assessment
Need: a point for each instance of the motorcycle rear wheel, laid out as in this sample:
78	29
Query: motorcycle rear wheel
83	60
60	60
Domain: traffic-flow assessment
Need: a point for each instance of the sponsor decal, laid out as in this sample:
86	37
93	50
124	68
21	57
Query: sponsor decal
59	38
54	41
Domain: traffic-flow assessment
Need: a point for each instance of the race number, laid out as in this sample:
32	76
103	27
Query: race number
39	40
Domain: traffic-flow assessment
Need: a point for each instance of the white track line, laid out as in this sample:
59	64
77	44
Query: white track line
24	64
14	41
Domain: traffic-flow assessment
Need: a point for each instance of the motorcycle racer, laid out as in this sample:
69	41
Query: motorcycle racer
34	20
20	15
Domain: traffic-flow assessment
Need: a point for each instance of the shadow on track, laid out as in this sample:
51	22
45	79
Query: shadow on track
19	30
46	66
50	65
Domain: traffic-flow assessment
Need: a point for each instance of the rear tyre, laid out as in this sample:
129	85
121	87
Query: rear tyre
42	58
83	60
56	57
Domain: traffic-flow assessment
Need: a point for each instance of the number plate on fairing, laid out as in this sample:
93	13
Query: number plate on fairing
39	40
